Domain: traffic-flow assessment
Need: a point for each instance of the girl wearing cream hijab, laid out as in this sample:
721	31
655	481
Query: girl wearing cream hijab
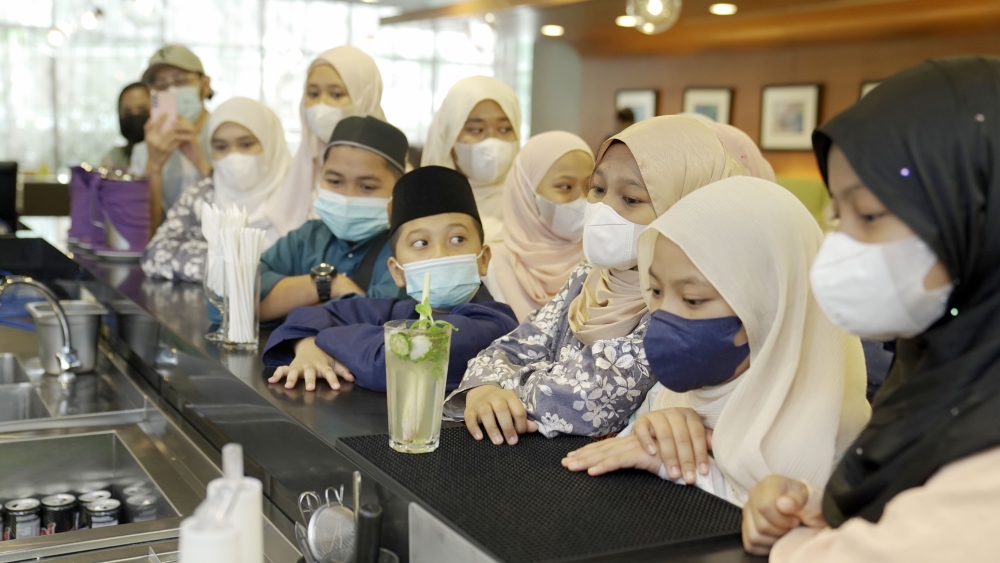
476	132
577	366
341	82
250	161
748	365
544	201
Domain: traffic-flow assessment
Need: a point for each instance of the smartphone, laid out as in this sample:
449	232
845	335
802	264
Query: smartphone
163	103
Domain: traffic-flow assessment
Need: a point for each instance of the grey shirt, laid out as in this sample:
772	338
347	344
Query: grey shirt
565	386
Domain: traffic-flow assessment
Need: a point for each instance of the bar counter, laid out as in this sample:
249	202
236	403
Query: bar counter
289	436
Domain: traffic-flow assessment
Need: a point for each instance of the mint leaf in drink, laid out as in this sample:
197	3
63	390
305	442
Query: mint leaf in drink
424	310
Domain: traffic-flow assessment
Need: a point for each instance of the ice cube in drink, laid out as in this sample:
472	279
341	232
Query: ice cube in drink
416	365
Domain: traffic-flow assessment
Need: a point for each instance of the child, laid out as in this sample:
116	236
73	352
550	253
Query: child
250	160
346	250
436	229
544	200
476	132
740	348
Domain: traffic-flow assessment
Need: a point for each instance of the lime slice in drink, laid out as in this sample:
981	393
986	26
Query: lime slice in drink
399	343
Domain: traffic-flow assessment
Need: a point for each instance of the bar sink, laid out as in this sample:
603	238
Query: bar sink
11	370
21	402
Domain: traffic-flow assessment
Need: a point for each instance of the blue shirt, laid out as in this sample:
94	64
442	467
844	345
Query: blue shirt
350	330
312	244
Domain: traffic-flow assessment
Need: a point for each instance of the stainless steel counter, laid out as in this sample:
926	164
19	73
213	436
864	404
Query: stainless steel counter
157	330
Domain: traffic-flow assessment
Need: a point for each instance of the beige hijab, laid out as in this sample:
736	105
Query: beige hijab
533	263
802	401
740	146
447	124
364	84
676	156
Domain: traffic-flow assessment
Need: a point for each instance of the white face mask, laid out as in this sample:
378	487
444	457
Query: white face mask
610	240
876	291
487	161
237	171
323	119
564	219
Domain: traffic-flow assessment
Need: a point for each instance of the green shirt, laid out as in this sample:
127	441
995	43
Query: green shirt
311	244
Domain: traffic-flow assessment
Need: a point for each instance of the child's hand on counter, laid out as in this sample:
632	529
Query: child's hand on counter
309	362
624	452
499	411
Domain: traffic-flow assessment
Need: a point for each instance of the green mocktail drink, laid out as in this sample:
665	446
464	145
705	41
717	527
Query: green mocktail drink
416	366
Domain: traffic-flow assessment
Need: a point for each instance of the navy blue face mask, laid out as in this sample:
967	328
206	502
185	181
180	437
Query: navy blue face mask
688	354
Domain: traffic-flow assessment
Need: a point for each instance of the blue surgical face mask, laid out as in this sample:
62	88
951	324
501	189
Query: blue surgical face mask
189	104
687	354
352	218
454	280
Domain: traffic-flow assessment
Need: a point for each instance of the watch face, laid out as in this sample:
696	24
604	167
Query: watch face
323	269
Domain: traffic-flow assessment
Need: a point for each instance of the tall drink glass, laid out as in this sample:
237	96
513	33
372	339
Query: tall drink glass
416	366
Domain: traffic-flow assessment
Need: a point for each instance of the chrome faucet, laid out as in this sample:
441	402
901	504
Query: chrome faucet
68	362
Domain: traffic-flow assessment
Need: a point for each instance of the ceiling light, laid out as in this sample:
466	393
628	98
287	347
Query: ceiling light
369	1
654	16
626	21
553	30
55	37
723	9
88	20
489	17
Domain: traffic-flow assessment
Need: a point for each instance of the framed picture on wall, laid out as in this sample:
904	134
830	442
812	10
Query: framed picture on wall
868	86
714	103
788	116
641	102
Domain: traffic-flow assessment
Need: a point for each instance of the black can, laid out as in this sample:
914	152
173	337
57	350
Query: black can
103	513
59	514
21	519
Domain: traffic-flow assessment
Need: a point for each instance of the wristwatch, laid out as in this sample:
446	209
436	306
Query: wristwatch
322	275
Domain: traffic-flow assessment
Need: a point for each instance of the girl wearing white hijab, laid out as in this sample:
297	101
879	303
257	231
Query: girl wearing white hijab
544	200
250	161
748	365
341	82
476	132
577	366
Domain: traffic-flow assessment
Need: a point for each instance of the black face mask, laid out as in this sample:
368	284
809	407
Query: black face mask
132	127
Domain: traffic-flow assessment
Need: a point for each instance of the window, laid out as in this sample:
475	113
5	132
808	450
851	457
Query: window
57	103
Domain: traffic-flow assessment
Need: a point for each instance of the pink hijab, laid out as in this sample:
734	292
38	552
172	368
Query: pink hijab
740	146
533	263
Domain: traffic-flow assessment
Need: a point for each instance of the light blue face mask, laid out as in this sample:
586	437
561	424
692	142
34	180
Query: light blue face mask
454	280
189	104
352	218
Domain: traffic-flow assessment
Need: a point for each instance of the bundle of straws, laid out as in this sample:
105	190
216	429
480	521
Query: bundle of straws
242	248
213	220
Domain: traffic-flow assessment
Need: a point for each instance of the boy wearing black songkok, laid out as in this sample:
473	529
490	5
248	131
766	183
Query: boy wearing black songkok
435	228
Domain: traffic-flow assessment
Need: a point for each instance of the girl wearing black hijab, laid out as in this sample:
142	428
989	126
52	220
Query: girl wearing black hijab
133	111
914	171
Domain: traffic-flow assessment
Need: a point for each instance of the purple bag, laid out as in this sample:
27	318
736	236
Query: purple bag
109	214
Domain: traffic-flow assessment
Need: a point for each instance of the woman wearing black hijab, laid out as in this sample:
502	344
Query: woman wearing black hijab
914	171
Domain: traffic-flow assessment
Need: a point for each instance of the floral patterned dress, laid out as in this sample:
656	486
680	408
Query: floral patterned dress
565	386
178	249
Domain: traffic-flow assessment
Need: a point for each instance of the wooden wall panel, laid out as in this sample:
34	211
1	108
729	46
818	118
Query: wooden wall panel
839	68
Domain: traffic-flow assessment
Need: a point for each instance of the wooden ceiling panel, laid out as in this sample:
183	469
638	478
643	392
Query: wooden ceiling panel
590	25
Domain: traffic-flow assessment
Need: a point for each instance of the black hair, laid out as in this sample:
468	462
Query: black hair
479	230
626	114
131	86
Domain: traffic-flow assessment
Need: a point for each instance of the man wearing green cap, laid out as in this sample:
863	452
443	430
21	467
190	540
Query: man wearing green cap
177	157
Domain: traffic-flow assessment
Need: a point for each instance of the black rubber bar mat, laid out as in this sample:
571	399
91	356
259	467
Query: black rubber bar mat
521	505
